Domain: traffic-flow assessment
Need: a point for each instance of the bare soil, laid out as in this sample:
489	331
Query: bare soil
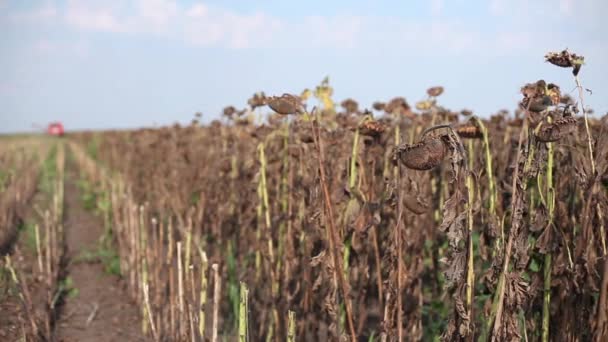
101	310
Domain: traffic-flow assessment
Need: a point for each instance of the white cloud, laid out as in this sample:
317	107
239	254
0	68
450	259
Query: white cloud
93	16
155	15
203	24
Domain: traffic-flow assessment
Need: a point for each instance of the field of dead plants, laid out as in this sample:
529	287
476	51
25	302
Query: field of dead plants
326	222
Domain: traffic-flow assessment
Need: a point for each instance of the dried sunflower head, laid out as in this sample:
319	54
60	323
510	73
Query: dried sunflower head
435	91
536	105
424	105
466	112
423	155
535	98
398	106
566	59
379	105
350	106
257	100
468	130
550	132
371	128
229	111
286	104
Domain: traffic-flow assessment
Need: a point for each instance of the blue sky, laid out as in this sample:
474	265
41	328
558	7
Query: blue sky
121	63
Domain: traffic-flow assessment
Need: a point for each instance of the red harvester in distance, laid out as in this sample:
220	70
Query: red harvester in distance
55	128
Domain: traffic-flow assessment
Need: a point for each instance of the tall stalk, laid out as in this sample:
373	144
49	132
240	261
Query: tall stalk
353	161
587	129
489	168
548	257
470	262
352	180
144	268
243	313
333	234
398	238
266	209
496	310
291	326
284	191
202	295
217	287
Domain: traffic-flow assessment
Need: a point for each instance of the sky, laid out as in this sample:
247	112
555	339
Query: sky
134	63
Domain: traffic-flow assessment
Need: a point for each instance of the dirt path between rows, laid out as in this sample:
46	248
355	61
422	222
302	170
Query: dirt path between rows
100	310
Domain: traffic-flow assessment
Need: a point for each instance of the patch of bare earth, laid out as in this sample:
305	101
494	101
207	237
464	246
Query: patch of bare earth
100	310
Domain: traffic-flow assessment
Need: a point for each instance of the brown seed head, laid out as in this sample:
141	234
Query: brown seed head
556	130
468	130
535	89
536	104
424	155
286	104
536	98
379	105
566	59
229	111
350	106
257	100
435	91
466	112
398	106
424	105
371	128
